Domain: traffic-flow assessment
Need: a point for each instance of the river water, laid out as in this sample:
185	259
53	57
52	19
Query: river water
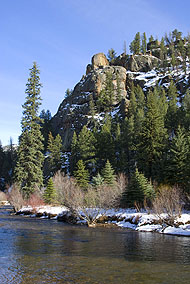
35	251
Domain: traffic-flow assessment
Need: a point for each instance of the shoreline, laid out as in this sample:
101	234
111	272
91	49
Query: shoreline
122	218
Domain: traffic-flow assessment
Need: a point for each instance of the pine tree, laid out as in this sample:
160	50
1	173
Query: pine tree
153	136
98	180
185	120
177	169
68	92
172	111
163	53
118	88
176	35
106	96
49	192
135	45
108	174
74	157
9	161
55	157
46	126
144	44
81	175
105	143
111	55
92	109
173	61
138	189
151	38
28	171
86	147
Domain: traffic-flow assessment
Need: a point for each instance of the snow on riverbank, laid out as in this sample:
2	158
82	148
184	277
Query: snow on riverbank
124	218
43	211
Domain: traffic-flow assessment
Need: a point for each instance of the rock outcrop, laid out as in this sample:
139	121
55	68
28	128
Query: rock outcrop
142	70
99	60
137	63
74	111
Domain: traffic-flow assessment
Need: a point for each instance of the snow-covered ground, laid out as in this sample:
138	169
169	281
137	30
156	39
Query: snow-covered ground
124	218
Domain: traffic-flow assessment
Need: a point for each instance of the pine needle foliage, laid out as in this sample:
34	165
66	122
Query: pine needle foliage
137	190
81	175
28	172
49	192
108	174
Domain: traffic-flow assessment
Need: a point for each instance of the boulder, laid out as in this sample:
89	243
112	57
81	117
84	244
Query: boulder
99	60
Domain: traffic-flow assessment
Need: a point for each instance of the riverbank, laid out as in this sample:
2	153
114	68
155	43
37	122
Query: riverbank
124	218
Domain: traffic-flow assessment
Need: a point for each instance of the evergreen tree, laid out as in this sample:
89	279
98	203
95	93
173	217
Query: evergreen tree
86	147
178	165
68	92
172	111
105	143
137	190
153	136
185	119
46	126
135	45
118	88
163	54
49	192
173	61
108	174
144	44
9	163
28	171
81	175
98	180
74	157
92	109
151	38
111	55
106	96
55	157
176	35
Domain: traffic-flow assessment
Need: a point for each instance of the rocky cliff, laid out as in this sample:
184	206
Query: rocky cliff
143	70
74	111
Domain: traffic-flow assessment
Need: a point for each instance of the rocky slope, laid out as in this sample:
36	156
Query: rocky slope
74	111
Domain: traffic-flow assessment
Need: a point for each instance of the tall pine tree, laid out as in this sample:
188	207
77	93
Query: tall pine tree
28	171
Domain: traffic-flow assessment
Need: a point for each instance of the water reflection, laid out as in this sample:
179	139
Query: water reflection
44	251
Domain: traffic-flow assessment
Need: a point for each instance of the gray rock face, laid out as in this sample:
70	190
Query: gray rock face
137	63
142	63
73	113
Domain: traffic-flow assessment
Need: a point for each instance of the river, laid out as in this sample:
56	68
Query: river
35	251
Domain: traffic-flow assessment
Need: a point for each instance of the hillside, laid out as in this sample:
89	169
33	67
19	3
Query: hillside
141	70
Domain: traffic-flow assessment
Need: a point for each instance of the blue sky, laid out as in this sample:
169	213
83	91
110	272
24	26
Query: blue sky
61	36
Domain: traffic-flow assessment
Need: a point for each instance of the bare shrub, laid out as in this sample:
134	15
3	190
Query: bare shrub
15	198
35	200
64	187
168	201
3	196
88	204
